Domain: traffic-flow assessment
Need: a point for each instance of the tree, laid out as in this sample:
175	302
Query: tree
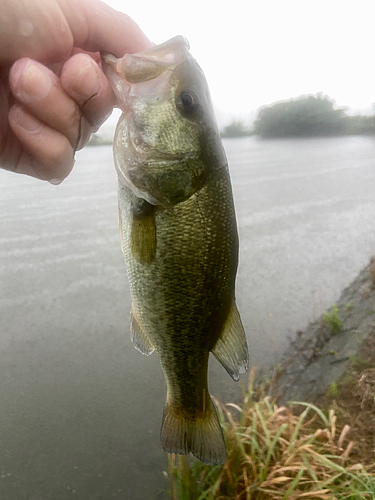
304	116
235	129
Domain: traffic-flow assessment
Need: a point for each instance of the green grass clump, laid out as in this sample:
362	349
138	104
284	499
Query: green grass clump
332	320
334	390
275	454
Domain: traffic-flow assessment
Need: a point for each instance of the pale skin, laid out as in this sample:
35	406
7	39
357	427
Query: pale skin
53	92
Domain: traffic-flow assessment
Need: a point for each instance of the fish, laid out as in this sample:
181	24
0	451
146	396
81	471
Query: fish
178	235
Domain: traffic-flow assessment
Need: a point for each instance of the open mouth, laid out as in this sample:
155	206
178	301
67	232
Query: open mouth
146	73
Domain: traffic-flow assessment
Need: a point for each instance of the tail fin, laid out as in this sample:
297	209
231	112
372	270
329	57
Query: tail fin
201	436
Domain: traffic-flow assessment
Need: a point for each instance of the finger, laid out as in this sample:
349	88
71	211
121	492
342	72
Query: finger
84	81
41	93
47	154
47	30
35	29
96	27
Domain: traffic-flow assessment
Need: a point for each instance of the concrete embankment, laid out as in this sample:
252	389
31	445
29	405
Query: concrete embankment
318	356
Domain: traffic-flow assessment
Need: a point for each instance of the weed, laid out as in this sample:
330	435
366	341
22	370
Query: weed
332	320
333	390
275	454
360	364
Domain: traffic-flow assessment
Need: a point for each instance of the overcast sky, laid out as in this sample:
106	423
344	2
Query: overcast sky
258	52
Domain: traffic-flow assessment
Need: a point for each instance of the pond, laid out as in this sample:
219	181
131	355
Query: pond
80	407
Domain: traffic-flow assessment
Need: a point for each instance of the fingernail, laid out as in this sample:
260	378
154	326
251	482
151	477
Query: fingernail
25	121
87	82
30	80
55	182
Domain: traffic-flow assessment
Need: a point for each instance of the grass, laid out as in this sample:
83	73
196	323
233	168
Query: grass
334	390
354	400
349	306
360	363
275	453
332	320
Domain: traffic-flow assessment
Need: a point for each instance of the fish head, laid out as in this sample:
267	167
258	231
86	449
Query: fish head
168	128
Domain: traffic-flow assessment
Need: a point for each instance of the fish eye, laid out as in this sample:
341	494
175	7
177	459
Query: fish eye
188	102
187	99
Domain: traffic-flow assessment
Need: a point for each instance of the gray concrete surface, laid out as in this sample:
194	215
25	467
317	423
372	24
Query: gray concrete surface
318	356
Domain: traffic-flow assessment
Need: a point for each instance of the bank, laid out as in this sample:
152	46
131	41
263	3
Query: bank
321	354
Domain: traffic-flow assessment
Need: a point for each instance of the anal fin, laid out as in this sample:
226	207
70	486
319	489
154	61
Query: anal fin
231	347
139	338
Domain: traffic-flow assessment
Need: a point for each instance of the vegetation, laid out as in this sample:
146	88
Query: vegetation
360	125
349	306
235	129
309	116
334	390
332	320
354	401
304	116
97	140
274	453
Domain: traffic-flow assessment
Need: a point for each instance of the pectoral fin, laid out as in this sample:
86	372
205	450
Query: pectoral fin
139	337
231	347
143	236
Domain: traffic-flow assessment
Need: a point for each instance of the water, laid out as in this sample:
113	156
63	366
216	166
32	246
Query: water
80	408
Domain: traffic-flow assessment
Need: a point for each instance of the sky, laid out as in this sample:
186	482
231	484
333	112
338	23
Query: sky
255	53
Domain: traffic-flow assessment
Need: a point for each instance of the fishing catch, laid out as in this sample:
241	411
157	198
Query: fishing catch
179	236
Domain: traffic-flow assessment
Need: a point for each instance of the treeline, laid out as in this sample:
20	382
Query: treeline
236	129
305	116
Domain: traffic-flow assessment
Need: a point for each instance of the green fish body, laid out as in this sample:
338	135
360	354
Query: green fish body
179	236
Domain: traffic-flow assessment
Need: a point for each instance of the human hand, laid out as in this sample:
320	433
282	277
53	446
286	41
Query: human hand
53	93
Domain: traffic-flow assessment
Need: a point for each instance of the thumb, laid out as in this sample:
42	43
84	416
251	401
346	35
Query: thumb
97	27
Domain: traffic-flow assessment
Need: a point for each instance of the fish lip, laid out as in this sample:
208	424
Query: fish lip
172	50
121	88
145	72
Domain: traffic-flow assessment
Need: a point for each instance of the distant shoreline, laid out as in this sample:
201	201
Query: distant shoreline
300	136
97	140
304	116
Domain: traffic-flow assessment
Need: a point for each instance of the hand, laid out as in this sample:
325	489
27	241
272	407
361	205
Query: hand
53	93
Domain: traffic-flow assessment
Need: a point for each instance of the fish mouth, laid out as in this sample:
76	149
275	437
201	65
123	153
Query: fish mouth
139	80
145	73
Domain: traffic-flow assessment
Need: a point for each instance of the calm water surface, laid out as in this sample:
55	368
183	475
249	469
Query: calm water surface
80	408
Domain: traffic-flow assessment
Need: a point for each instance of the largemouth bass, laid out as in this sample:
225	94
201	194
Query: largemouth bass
179	236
